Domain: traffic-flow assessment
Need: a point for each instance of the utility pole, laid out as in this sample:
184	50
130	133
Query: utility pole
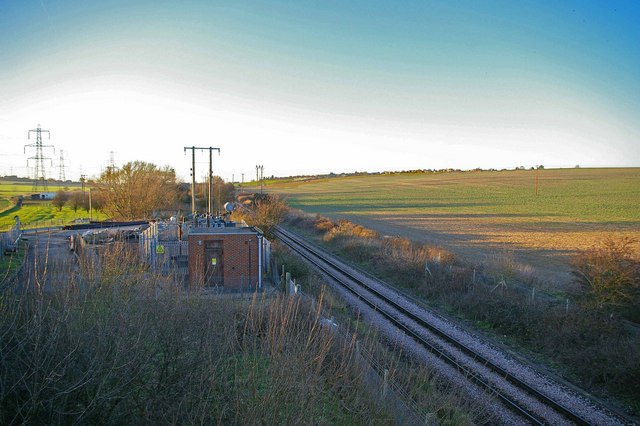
259	177
193	175
211	178
83	179
61	176
219	197
193	179
39	174
242	182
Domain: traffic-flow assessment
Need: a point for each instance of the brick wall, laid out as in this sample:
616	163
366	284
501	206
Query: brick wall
239	259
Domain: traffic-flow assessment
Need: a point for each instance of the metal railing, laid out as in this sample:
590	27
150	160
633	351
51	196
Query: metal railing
11	238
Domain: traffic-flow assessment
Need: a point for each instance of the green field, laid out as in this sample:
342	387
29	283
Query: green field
36	213
470	212
595	195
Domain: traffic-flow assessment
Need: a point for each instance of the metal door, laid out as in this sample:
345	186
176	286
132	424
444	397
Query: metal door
214	266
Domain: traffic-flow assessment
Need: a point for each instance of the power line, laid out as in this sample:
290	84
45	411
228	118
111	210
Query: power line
259	176
112	163
40	178
193	175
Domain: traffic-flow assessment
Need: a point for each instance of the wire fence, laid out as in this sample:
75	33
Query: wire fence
9	239
161	249
376	375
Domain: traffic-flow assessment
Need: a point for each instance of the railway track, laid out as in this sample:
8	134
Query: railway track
531	396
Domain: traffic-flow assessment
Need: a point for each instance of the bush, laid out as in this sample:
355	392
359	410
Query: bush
266	212
610	276
125	351
589	344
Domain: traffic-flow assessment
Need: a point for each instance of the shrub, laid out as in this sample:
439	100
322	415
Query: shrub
124	351
266	212
610	275
592	346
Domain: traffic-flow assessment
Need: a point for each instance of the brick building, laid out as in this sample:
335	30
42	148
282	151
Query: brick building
226	257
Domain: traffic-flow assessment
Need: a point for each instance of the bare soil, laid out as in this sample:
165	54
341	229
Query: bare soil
550	266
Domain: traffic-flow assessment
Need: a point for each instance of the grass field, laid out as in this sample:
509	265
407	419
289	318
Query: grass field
36	212
482	214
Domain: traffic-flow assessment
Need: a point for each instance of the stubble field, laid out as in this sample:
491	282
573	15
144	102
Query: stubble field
488	217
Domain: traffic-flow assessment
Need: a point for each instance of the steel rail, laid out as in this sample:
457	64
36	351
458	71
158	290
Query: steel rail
312	253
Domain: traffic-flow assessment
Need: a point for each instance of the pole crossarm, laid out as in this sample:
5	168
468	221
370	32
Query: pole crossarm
193	174
40	178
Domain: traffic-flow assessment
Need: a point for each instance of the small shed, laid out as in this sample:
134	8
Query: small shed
226	257
43	196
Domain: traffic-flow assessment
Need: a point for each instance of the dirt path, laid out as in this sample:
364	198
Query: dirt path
49	260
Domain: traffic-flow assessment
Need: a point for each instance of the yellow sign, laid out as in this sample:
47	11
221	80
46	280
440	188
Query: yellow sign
159	249
214	261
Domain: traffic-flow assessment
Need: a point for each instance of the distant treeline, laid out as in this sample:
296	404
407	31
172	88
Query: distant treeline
398	172
27	180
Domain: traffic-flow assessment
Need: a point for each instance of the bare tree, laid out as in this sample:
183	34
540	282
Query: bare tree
60	199
78	200
267	211
137	189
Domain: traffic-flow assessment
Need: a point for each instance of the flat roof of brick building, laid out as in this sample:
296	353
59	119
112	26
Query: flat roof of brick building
227	230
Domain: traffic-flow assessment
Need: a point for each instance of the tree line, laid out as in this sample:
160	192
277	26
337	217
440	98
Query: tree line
141	190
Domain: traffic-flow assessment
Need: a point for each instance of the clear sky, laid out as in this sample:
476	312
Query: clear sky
324	86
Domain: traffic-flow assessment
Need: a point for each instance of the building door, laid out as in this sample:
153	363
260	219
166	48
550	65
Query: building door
213	268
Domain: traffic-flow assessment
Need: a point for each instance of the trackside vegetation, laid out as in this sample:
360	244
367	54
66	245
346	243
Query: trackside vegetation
116	344
587	339
119	346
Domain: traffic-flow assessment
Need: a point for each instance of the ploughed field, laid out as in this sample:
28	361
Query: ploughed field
489	217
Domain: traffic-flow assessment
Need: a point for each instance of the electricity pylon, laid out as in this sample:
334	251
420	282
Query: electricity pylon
62	177
40	178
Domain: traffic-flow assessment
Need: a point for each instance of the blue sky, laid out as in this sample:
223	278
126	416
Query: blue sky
325	86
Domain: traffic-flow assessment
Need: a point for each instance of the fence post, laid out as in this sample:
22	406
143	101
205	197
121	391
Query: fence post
153	255
385	383
287	279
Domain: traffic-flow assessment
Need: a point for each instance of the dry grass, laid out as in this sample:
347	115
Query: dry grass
610	276
483	214
589	345
434	397
104	341
116	344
